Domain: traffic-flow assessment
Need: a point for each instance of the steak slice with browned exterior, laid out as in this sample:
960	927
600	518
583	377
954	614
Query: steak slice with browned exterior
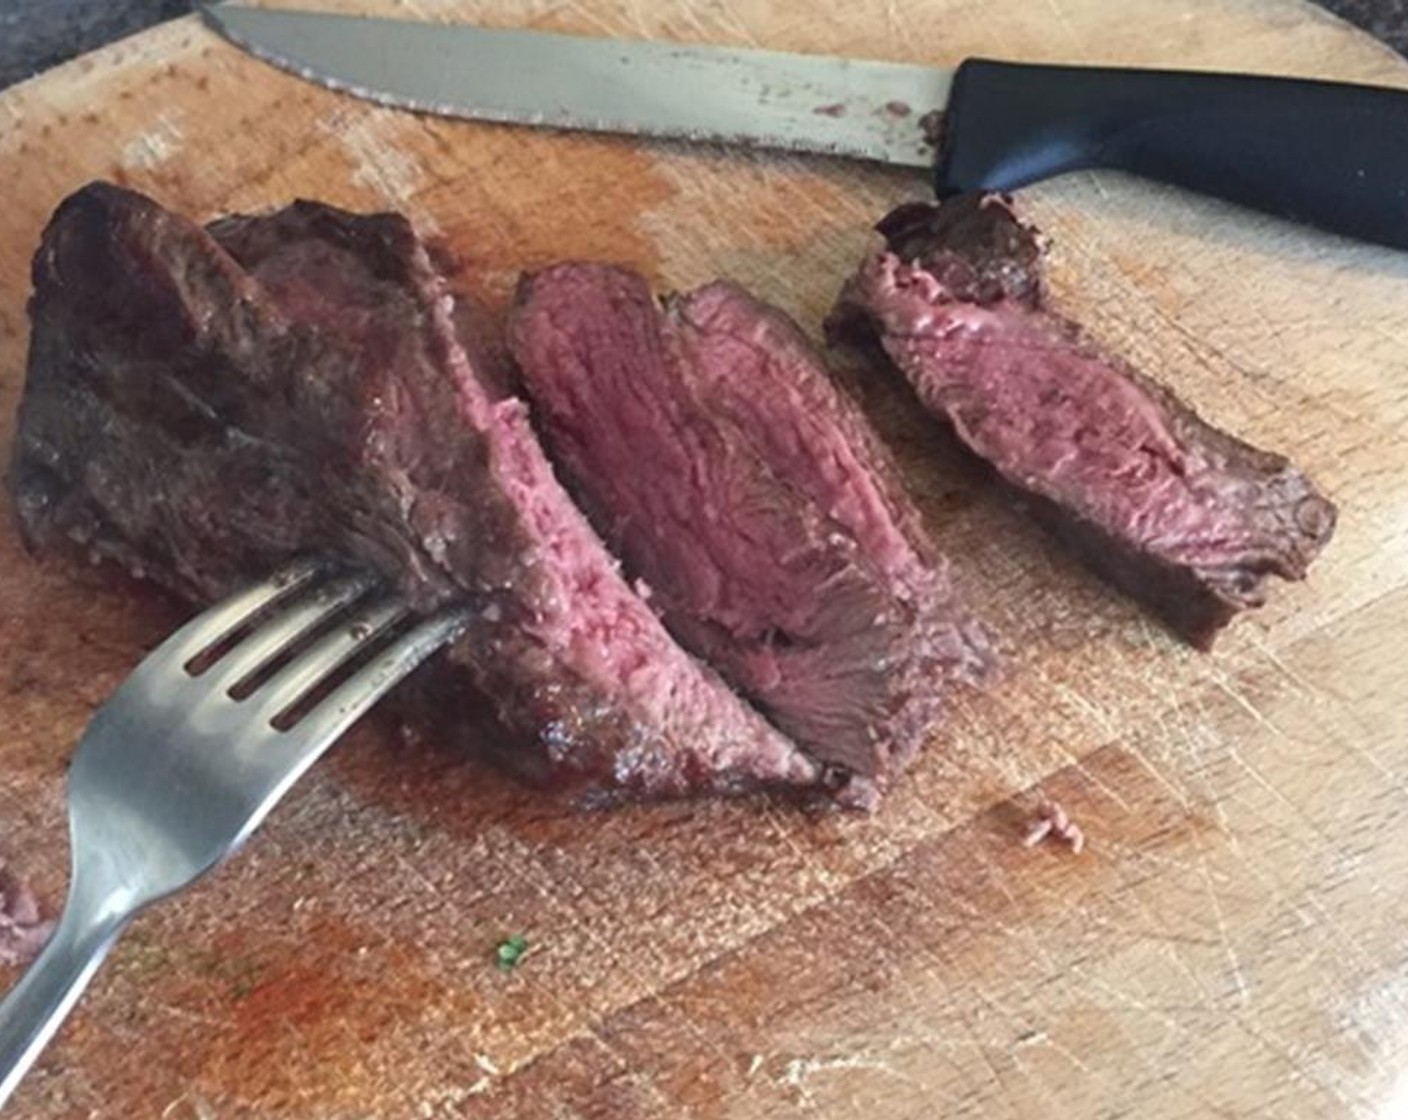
201	406
713	452
1177	513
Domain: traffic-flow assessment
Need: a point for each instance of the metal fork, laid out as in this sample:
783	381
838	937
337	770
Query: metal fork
189	755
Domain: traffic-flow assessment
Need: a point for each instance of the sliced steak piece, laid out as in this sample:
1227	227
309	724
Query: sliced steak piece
713	452
1172	510
202	406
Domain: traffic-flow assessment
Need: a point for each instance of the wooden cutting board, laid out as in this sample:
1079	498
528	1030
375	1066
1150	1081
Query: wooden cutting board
1232	942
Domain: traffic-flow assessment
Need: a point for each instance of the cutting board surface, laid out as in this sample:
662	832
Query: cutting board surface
1232	941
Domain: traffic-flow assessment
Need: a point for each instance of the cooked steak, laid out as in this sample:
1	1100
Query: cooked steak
712	451
202	406
1174	511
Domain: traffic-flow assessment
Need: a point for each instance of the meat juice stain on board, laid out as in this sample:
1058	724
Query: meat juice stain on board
574	195
436	781
337	991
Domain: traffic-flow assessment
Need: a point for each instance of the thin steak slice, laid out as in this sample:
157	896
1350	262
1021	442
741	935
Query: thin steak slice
201	406
713	452
1175	512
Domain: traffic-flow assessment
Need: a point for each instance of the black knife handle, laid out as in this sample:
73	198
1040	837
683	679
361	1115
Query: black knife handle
1325	153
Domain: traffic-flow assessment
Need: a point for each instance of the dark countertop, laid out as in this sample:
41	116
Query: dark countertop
35	34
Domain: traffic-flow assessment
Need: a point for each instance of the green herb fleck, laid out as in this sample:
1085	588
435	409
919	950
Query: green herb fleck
511	951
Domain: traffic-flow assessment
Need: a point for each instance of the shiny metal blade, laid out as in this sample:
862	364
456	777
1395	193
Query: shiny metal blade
812	103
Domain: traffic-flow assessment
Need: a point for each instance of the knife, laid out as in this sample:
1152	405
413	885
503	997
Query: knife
1328	154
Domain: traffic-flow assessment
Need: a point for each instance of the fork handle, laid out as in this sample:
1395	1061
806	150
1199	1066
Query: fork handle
39	1003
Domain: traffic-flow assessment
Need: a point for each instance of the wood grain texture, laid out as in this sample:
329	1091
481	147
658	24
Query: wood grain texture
1231	942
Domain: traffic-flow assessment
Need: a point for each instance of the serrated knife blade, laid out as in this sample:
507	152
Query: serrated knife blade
810	103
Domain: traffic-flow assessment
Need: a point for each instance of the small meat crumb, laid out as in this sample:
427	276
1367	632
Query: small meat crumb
1052	820
22	931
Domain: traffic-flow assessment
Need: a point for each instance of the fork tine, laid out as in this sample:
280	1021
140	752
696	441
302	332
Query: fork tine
206	629
333	714
341	707
287	755
299	676
276	635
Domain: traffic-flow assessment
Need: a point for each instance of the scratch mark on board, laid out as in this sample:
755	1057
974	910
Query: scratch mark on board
1304	822
743	31
899	34
1378	1013
1224	935
585	13
1306	1065
799	1071
156	145
1065	21
379	163
1224	685
1267	653
1132	1002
